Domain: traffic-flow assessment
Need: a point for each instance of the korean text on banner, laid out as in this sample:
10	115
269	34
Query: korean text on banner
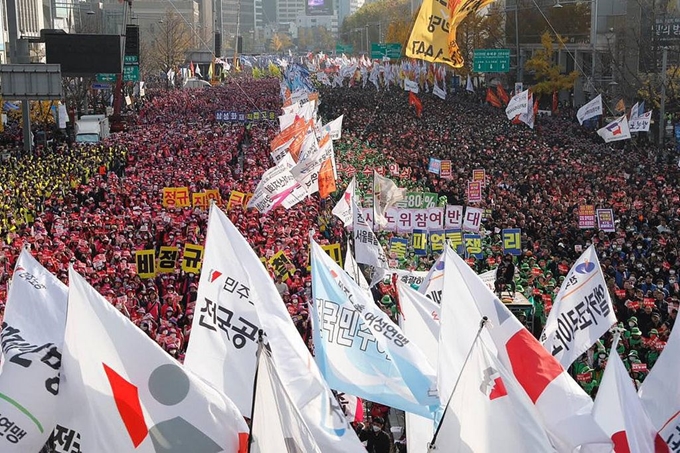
32	340
605	220
581	313
368	356
428	42
474	192
512	241
586	216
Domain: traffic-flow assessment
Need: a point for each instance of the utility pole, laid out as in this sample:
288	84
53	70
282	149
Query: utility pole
662	110
593	43
19	54
519	62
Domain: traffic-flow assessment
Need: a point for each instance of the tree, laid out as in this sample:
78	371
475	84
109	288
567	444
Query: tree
650	90
547	73
479	31
383	20
169	45
280	42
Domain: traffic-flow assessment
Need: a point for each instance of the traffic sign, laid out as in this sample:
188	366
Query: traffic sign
106	77
491	60
101	86
131	73
130	59
344	48
390	50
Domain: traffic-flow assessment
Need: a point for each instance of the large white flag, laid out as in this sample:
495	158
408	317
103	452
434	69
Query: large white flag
32	339
590	110
359	350
518	105
366	246
582	311
489	412
343	208
278	427
660	394
619	412
130	394
616	130
564	407
385	194
237	297
419	319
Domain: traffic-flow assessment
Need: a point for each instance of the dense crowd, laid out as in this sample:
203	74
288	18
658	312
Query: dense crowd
95	206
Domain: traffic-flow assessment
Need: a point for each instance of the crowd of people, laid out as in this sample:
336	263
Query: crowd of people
95	205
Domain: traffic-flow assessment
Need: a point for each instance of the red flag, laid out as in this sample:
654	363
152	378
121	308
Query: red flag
414	101
492	99
554	103
535	106
191	69
502	94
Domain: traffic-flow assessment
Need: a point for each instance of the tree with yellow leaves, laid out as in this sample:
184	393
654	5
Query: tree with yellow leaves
548	75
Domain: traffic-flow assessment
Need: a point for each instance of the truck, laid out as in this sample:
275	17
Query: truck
92	128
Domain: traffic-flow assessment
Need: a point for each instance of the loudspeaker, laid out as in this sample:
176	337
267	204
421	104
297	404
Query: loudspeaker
239	44
218	44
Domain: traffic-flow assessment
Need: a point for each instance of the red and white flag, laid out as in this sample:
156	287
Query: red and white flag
130	394
489	412
564	407
660	392
352	406
618	410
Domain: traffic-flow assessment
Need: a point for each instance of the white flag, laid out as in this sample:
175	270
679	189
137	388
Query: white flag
419	319
385	194
32	340
634	111
469	86
359	350
366	246
615	131
489	412
343	209
582	311
660	394
641	122
563	405
529	117
277	425
277	187
518	104
590	110
433	283
619	412
236	297
334	128
130	394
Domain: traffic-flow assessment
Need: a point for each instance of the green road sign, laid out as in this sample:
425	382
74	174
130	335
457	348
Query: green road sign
391	50
106	77
131	73
128	59
344	48
491	60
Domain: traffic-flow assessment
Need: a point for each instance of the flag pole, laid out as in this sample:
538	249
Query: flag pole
260	347
482	323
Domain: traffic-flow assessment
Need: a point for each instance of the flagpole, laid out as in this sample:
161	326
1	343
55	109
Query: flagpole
260	346
482	323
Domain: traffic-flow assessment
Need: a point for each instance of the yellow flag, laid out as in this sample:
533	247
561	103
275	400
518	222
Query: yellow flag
620	106
459	10
429	40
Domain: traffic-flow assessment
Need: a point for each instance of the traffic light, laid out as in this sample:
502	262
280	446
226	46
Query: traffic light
218	44
132	40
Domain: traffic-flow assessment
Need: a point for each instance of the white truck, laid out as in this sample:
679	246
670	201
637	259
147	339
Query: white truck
92	128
